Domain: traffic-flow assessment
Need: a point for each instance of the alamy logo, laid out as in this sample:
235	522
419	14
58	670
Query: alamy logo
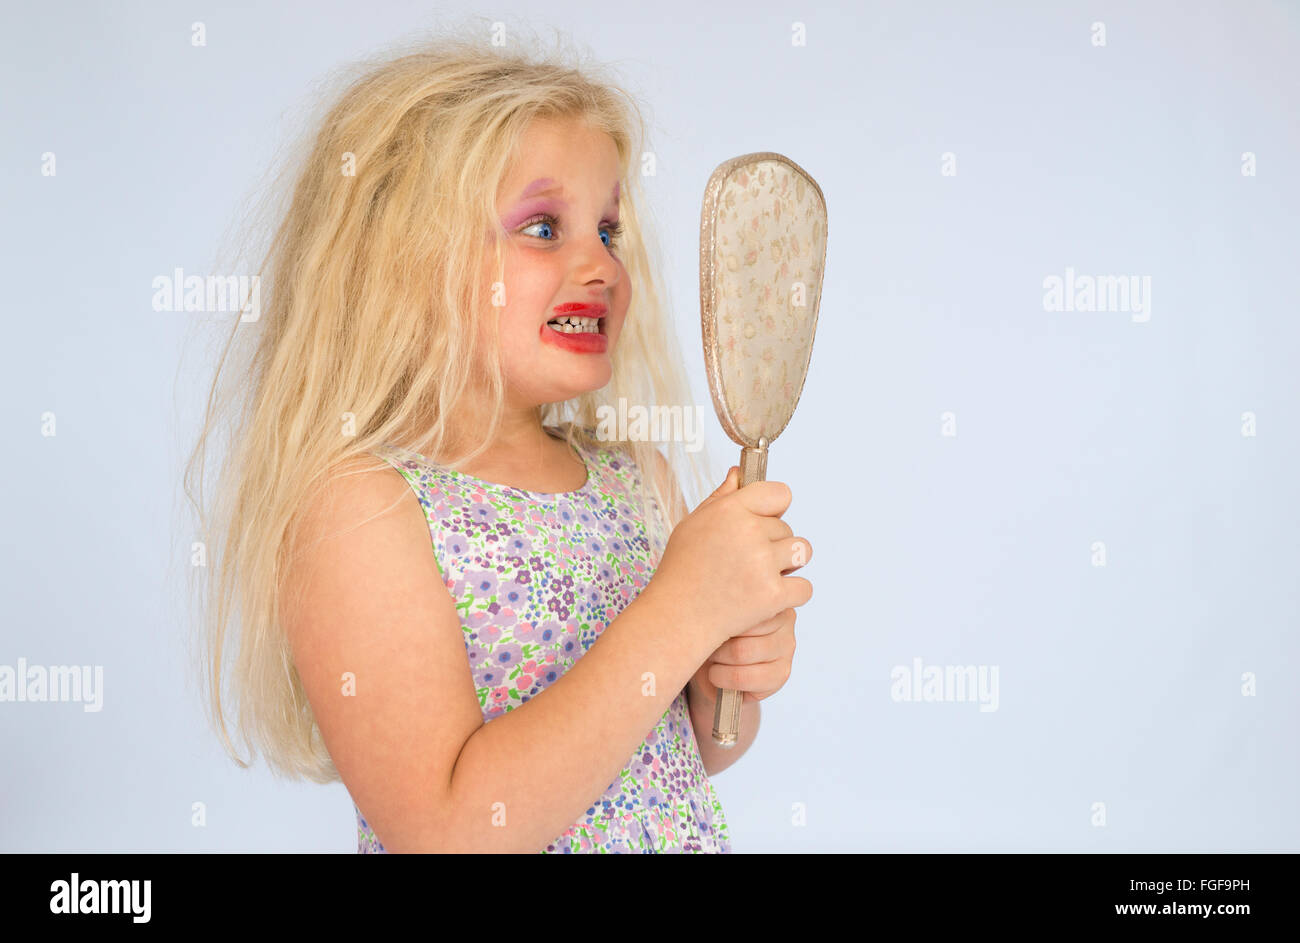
946	683
56	683
211	294
1098	293
102	897
637	423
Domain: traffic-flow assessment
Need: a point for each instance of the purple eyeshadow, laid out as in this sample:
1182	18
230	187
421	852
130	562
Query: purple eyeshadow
530	208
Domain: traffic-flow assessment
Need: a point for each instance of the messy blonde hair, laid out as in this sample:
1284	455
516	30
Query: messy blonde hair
360	339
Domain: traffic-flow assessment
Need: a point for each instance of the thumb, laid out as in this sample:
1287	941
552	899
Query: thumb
732	483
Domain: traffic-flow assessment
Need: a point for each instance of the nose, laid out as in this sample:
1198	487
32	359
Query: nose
593	261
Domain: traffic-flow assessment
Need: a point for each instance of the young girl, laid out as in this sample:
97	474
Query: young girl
455	590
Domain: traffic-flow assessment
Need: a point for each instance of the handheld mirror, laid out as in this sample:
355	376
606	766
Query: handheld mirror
762	254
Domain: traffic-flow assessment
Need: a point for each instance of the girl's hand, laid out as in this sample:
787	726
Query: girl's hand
725	568
757	662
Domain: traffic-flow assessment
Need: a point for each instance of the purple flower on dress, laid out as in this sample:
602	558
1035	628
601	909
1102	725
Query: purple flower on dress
482	582
455	545
491	675
512	594
477	654
506	657
519	545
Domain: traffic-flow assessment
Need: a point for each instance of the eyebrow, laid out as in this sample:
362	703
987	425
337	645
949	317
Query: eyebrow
543	185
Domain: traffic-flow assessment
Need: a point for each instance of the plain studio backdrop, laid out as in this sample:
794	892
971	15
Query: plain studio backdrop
1099	505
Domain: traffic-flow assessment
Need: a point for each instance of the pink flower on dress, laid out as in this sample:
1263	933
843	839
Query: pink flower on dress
500	694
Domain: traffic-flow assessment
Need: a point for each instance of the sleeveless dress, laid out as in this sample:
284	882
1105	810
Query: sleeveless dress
536	578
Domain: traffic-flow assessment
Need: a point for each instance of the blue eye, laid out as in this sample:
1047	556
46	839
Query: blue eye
545	223
548	223
614	232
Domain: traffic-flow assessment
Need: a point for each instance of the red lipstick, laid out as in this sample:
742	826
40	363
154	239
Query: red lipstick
584	343
587	310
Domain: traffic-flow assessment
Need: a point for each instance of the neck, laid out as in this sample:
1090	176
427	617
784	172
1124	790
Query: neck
520	440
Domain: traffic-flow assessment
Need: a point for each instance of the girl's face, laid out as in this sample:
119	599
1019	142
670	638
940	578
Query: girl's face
559	207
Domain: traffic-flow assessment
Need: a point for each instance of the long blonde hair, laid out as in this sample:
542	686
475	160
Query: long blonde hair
359	341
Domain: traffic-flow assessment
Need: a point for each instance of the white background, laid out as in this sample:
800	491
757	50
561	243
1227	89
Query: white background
1119	684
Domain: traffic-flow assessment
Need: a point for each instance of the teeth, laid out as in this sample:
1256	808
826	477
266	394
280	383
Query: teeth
572	325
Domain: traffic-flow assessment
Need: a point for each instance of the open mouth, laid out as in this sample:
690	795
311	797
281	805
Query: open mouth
575	325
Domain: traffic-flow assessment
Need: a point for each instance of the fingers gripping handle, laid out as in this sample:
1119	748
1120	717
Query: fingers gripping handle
726	710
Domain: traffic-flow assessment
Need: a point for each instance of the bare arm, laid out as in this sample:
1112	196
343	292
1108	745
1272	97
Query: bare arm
700	701
411	745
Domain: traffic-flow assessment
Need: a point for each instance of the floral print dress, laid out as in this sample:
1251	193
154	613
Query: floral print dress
536	578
